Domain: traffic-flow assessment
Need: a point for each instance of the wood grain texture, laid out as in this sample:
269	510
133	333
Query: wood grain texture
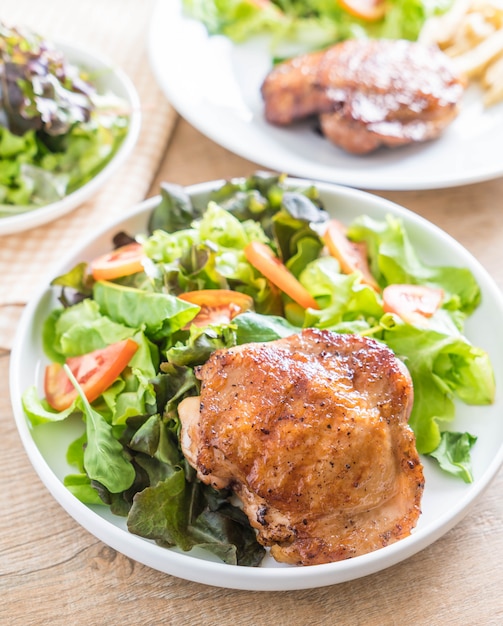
54	572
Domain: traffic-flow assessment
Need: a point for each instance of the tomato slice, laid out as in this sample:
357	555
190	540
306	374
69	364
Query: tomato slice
218	306
414	304
263	259
122	261
368	10
352	256
95	372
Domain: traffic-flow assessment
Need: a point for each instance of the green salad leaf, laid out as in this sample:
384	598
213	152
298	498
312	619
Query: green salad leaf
81	487
394	260
251	326
453	454
301	25
104	458
445	367
158	314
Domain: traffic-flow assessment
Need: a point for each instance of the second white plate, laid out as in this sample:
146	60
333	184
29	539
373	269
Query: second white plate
215	85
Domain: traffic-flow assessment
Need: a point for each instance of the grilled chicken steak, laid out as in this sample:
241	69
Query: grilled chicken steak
367	93
311	433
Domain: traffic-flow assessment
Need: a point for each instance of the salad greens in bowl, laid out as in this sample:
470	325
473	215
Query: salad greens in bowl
301	25
68	119
107	351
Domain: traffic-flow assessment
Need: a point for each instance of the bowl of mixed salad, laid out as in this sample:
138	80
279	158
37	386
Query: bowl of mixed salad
131	314
68	120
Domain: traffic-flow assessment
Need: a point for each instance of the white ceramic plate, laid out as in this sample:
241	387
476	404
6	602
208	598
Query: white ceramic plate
446	499
108	79
215	85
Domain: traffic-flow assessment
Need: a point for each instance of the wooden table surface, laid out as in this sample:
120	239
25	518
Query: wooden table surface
54	572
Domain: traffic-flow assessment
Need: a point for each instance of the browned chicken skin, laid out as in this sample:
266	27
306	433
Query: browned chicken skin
311	433
368	93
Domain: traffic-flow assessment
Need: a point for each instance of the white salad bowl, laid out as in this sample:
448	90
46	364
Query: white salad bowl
109	79
446	499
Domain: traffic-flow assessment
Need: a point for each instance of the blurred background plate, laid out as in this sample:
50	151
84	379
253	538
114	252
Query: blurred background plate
215	85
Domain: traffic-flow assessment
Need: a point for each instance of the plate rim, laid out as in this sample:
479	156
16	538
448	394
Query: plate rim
209	572
83	56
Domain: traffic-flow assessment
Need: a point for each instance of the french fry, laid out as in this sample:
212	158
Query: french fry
473	63
471	33
494	73
493	95
442	29
493	82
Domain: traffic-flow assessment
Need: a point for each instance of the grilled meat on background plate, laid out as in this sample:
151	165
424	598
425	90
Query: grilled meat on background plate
367	92
311	433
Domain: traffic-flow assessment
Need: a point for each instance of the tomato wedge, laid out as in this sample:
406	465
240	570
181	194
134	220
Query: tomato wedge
414	304
122	261
95	372
352	256
218	306
263	259
368	10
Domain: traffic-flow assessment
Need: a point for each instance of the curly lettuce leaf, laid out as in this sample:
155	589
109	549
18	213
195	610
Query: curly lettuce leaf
209	255
200	344
404	19
38	410
173	384
343	297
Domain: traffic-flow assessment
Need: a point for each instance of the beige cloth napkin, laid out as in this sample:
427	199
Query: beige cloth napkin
119	30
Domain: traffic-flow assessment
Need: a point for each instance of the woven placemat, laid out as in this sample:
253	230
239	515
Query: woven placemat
119	30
